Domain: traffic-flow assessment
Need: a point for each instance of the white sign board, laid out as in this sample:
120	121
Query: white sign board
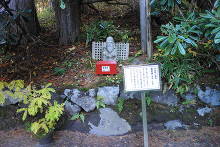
105	68
142	77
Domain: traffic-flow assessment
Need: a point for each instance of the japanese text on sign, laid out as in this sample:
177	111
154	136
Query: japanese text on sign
142	77
105	68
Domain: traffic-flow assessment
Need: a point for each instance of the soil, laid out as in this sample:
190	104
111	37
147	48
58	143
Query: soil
205	137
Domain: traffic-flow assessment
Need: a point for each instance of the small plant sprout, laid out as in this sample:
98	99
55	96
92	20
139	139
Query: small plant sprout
148	100
99	102
80	116
120	104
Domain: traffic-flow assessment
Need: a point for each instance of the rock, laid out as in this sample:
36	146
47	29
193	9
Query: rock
10	100
137	61
110	124
92	93
174	124
109	94
168	98
87	103
203	111
67	92
74	93
72	108
130	95
209	96
189	96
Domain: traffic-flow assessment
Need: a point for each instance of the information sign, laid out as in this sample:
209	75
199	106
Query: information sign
142	77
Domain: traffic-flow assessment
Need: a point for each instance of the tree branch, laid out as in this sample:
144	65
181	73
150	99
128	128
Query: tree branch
94	1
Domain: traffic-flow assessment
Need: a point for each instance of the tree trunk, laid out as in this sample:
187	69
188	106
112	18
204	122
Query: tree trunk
31	25
68	21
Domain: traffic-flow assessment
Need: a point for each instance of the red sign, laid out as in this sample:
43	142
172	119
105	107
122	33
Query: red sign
106	67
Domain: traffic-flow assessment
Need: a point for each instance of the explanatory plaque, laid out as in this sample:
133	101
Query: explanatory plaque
142	77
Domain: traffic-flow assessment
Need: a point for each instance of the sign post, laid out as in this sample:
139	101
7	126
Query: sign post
142	78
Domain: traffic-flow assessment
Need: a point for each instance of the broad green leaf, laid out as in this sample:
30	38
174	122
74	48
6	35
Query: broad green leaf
217	41
160	38
24	115
180	47
215	30
210	25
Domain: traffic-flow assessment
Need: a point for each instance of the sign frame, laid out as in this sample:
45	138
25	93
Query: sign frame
159	68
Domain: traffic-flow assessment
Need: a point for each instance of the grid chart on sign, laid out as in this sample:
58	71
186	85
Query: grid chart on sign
122	50
139	78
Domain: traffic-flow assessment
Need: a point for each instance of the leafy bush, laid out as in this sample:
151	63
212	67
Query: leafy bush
178	38
211	23
179	71
169	4
35	102
100	30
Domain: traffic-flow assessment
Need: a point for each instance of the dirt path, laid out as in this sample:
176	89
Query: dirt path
205	137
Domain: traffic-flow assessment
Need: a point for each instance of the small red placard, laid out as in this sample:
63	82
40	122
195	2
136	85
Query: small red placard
106	67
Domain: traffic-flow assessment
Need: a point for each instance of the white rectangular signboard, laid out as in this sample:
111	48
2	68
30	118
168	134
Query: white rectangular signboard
142	77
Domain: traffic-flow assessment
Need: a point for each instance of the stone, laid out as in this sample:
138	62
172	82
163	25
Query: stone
74	93
86	103
168	98
110	124
10	100
109	94
137	61
92	92
109	52
130	95
67	92
189	96
209	96
174	124
72	108
203	111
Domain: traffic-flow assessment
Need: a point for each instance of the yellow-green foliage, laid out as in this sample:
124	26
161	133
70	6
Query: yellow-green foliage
13	89
49	121
37	101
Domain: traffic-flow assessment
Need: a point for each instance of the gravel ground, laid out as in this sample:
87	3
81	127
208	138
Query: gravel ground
205	137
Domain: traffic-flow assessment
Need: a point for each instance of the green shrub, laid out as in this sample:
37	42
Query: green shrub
178	38
100	30
179	71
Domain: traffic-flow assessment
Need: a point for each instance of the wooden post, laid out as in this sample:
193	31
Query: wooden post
143	25
148	25
145	22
